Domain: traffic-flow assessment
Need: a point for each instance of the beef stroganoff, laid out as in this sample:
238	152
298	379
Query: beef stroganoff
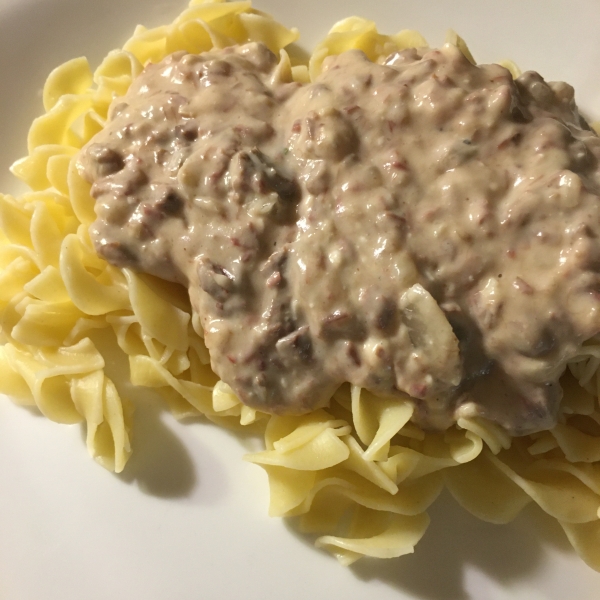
390	255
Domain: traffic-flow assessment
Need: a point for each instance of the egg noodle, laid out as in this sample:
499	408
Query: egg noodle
359	475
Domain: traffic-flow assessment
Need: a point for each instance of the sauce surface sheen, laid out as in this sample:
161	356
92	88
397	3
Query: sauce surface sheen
422	227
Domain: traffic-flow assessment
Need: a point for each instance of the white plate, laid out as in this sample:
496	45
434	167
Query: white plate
188	518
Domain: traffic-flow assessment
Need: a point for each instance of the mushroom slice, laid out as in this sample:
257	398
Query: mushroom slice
436	356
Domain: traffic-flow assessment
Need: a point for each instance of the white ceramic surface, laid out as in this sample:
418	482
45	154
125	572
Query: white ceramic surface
188	518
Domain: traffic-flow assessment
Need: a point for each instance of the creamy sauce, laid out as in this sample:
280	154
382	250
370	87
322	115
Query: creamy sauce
422	227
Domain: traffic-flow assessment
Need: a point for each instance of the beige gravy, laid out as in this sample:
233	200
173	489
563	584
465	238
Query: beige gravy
423	226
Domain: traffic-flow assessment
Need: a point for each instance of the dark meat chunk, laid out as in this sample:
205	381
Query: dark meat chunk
171	203
253	171
106	161
295	346
215	280
117	254
387	316
342	325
